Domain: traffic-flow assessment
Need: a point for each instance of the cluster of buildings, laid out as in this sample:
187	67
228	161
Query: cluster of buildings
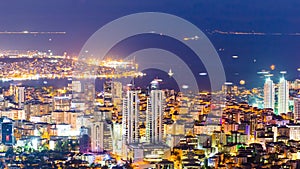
33	66
148	127
46	68
278	98
18	54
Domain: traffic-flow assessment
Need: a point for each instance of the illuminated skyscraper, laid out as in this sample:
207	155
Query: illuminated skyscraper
89	96
97	139
154	115
296	109
269	94
130	119
107	89
21	94
18	93
101	133
283	96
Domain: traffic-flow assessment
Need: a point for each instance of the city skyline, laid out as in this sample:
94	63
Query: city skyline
142	84
256	52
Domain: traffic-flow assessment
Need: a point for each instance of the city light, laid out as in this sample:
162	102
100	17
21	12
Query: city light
204	85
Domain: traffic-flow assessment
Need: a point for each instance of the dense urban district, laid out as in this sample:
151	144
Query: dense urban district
125	126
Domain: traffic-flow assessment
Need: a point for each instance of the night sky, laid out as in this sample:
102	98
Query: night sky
81	18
